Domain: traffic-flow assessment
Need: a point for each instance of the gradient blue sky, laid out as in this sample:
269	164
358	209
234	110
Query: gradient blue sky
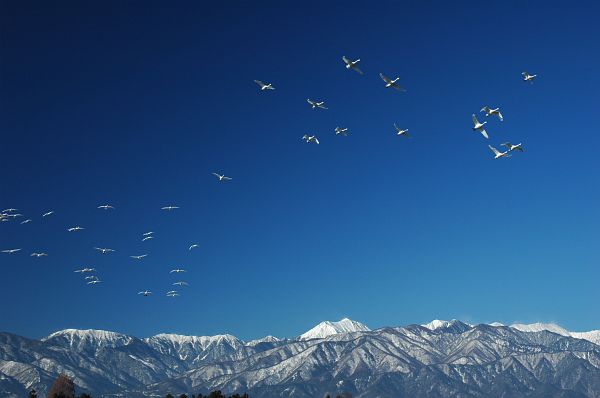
136	103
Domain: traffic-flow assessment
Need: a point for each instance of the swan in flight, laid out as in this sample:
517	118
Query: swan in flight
92	277
75	229
341	130
400	131
172	293
94	281
104	250
498	154
222	177
11	251
477	126
177	271
310	138
317	104
489	112
147	233
352	64
527	77
180	284
169	208
391	83
84	270
194	246
145	238
146	293
139	257
264	86
26	221
106	207
48	213
512	147
9	210
38	255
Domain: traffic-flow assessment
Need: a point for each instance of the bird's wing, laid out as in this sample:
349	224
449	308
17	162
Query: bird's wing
500	116
261	84
356	68
496	152
475	121
484	133
346	60
506	144
384	78
227	178
317	140
309	101
484	109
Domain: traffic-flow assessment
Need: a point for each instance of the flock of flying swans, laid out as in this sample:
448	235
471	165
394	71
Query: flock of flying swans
11	213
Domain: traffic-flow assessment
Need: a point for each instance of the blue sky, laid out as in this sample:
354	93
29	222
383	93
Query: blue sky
136	103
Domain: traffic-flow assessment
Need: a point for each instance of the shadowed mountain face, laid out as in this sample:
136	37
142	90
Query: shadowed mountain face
446	359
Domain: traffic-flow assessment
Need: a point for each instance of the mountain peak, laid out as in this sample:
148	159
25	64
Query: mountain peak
538	327
452	324
329	328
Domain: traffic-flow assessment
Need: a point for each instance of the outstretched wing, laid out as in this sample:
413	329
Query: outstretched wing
484	133
261	84
496	152
385	78
506	144
500	116
475	121
346	60
357	69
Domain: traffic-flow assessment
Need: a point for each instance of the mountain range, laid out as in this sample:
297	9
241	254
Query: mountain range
438	359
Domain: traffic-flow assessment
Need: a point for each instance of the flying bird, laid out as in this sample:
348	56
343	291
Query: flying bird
264	86
172	294
94	281
310	138
389	83
26	221
527	77
177	271
145	238
84	270
512	147
222	177
400	131
106	207
104	250
48	213
317	104
147	233
38	255
193	246
180	284
343	131
75	229
352	64
489	112
146	293
139	257
91	277
498	154
477	126
169	208
10	251
9	210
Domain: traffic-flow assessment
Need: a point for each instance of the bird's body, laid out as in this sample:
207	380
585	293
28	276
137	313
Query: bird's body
94	282
145	293
400	131
145	238
512	147
527	77
498	154
47	214
222	177
84	270
177	271
139	257
310	139
26	221
11	251
316	104
490	112
75	229
169	208
352	64
106	207
91	277
104	250
180	284
391	83
264	86
341	131
38	255
477	126
194	246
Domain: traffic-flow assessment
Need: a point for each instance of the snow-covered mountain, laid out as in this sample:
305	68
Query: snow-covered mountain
438	359
328	328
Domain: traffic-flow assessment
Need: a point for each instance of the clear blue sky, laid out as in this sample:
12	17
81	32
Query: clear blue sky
136	103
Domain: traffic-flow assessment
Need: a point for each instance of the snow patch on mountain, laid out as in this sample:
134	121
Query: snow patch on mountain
266	339
538	327
328	328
